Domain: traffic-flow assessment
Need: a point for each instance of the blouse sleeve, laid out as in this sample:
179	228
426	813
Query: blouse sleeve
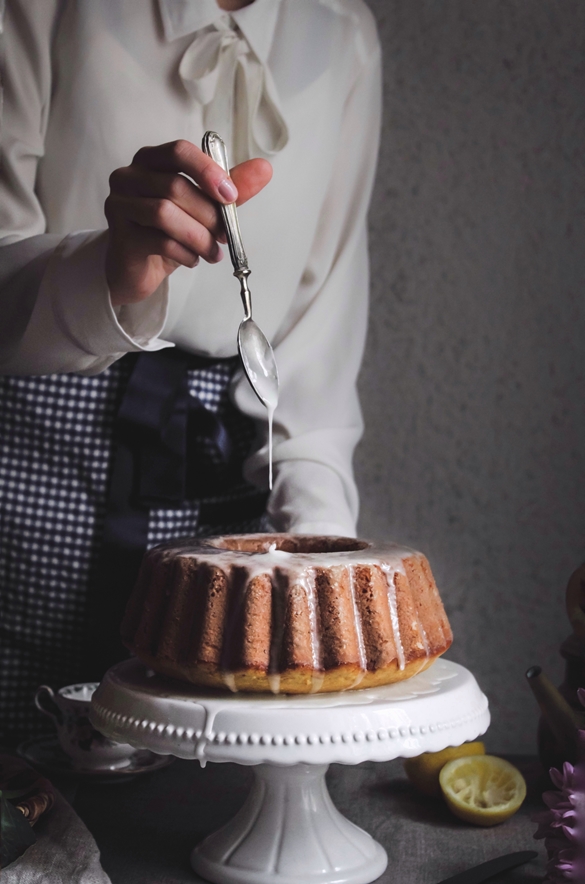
55	303
318	420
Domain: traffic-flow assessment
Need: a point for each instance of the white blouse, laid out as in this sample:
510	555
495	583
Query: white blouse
88	83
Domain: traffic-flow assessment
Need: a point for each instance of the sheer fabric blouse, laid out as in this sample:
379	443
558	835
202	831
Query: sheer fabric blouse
85	86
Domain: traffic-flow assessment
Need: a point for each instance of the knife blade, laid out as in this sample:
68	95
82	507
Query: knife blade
492	867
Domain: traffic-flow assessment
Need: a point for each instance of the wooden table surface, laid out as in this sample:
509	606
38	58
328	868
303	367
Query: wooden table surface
146	828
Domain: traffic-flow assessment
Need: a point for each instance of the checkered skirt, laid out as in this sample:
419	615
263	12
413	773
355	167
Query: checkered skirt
55	457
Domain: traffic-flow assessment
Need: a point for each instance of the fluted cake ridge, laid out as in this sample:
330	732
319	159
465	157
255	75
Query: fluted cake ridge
286	613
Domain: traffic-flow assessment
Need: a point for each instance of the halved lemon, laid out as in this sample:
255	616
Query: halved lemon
484	790
423	771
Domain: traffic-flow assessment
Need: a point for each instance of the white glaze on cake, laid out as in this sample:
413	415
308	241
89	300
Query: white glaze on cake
390	573
301	567
313	607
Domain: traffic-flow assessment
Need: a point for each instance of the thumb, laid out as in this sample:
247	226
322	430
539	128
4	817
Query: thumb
250	178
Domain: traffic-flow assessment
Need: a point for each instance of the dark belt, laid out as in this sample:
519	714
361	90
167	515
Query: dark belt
157	422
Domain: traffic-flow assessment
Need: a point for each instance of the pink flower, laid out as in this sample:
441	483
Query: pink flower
562	826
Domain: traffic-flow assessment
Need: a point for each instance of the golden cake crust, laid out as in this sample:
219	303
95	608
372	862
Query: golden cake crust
286	613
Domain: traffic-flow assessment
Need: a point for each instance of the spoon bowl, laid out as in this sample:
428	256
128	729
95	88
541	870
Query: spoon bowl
259	363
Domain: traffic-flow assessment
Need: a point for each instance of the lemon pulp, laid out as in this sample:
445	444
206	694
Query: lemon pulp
483	790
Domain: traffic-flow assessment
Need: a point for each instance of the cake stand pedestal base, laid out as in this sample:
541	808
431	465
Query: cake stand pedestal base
288	831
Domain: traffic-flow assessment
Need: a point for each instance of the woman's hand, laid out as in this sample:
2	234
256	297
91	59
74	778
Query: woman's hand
158	219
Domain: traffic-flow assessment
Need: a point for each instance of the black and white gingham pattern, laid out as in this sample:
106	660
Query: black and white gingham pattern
55	452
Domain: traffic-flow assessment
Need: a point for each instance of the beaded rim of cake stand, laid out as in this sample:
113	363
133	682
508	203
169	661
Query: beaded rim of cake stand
280	740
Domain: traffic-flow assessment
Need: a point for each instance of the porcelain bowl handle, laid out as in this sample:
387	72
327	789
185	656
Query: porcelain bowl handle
45	703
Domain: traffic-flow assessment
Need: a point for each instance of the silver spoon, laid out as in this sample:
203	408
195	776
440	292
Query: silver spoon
255	351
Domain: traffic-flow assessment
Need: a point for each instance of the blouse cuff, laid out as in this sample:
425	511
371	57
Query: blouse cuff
330	529
76	285
309	498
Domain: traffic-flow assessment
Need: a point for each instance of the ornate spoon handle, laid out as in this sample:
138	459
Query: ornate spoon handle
215	148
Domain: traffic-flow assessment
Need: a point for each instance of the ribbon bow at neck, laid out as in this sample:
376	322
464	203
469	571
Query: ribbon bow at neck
221	70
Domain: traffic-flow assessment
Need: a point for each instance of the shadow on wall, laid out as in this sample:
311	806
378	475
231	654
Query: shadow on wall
473	383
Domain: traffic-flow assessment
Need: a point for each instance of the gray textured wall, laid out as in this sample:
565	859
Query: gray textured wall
473	383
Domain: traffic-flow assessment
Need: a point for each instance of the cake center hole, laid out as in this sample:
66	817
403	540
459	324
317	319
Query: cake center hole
261	543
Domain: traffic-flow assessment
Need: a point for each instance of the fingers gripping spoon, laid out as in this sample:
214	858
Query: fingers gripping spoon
255	351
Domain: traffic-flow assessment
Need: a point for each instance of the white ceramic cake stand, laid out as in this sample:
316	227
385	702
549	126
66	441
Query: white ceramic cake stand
289	831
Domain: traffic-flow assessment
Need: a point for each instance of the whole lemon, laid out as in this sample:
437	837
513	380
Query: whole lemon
423	771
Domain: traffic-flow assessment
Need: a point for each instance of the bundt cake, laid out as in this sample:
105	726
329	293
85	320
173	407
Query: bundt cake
285	613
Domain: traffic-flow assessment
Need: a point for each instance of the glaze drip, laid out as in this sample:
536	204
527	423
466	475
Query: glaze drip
210	711
271	411
424	636
307	581
390	576
229	681
286	613
363	659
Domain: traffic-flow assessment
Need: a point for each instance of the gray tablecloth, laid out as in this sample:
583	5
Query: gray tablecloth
65	852
146	828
